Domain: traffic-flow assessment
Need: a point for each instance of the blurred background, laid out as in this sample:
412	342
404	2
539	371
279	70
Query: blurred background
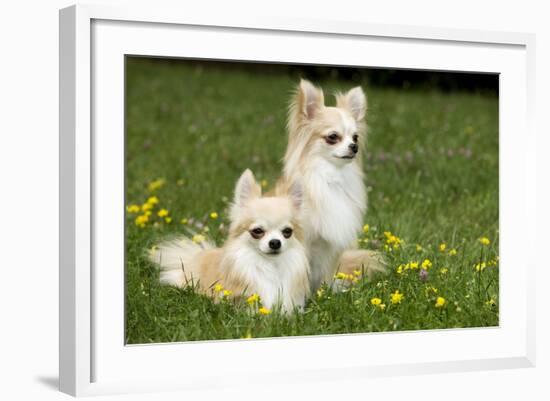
396	78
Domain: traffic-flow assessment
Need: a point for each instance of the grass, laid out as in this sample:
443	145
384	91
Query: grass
432	174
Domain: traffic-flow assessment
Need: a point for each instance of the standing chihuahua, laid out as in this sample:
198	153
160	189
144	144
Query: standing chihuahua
263	255
324	153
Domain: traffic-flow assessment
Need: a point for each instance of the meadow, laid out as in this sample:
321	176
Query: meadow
431	171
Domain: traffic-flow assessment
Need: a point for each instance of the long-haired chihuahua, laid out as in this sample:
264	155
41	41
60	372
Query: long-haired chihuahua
324	154
264	253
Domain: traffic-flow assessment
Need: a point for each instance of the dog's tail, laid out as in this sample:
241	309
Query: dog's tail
366	261
178	260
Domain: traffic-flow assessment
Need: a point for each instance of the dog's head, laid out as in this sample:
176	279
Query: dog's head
335	134
267	224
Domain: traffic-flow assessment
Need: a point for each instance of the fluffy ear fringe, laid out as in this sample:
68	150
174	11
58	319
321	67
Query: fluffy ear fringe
354	101
246	189
309	99
294	190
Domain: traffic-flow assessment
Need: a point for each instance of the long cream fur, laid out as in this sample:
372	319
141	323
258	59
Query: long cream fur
335	199
246	265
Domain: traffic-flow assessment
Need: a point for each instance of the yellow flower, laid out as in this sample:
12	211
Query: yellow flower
440	302
442	247
163	213
320	292
396	297
263	183
141	220
343	276
184	221
253	299
146	206
484	241
419	248
213	215
218	288
376	301
382	306
491	302
132	208
153	200
357	273
227	293
198	238
480	266
392	240
413	265
452	252
401	268
156	184
168	220
264	311
443	270
426	264
366	228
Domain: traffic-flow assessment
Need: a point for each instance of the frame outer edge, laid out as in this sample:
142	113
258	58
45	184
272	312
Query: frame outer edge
75	346
532	180
205	18
74	201
67	125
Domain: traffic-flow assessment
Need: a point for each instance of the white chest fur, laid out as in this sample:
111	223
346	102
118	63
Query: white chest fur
335	204
277	279
332	215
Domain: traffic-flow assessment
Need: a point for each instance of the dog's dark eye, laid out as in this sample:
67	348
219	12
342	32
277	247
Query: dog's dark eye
355	137
332	138
257	233
287	232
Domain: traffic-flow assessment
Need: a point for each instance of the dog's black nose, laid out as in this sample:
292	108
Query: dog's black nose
275	244
354	148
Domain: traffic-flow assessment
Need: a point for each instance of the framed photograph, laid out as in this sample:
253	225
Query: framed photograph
305	200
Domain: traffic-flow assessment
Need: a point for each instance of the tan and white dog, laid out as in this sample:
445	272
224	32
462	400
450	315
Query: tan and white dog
324	153
263	255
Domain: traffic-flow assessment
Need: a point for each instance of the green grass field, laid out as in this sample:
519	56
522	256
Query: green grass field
432	174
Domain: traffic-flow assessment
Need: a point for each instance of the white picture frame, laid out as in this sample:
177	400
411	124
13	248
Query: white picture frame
93	356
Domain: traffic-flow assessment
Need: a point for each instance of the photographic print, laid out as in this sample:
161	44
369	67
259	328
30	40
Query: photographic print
268	200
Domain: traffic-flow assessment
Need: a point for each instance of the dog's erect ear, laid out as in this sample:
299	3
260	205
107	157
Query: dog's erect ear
310	99
354	101
296	194
247	188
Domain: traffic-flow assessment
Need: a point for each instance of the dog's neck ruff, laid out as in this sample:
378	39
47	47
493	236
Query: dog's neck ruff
335	202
